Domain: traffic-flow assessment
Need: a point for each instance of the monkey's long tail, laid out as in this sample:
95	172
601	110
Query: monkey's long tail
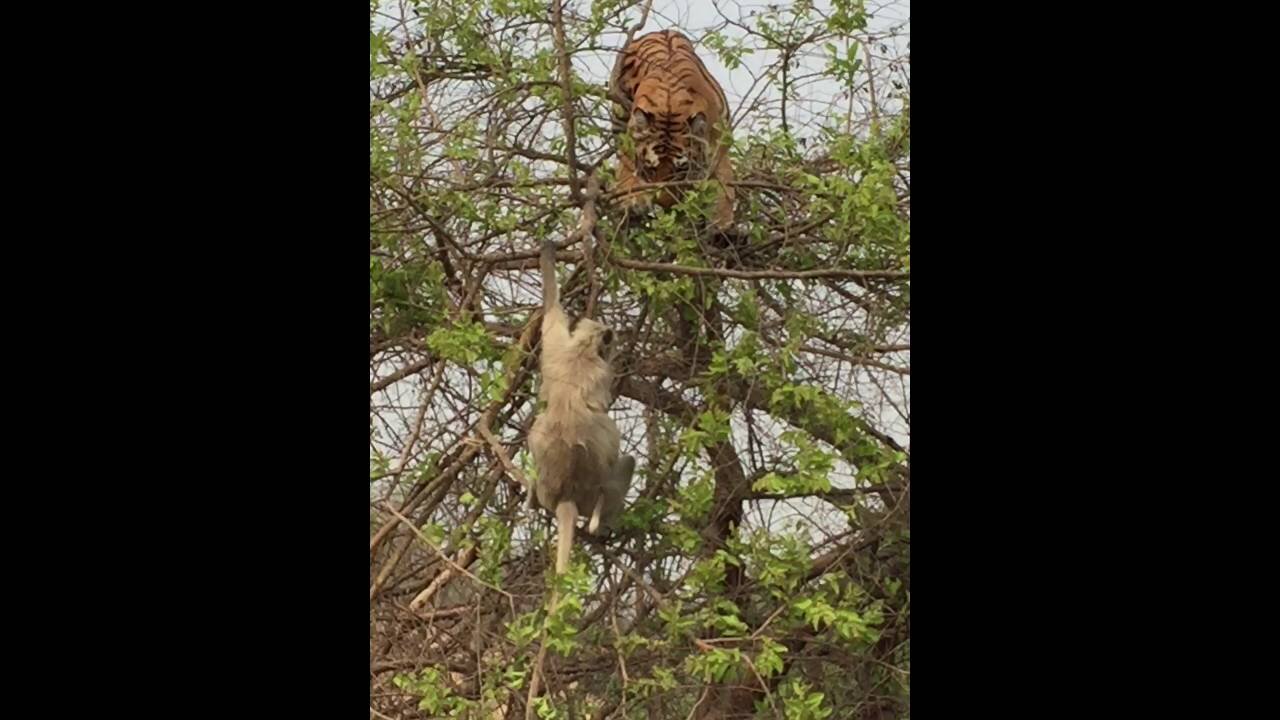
566	516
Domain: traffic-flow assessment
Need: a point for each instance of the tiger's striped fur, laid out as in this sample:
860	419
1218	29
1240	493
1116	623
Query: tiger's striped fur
677	116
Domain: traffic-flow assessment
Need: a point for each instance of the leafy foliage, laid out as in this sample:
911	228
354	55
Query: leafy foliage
762	565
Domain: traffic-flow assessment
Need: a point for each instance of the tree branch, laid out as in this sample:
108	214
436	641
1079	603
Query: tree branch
763	274
566	87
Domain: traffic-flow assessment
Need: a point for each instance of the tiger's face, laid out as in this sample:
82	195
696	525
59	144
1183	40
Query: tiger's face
670	131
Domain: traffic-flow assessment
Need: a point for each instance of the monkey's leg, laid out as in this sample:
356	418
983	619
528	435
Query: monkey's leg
625	470
594	525
612	494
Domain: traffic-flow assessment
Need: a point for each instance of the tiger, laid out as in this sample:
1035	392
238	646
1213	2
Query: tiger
677	118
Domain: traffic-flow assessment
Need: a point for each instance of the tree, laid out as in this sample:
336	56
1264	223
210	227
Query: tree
763	566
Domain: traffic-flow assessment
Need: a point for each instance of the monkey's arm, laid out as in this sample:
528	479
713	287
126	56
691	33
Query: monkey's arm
552	312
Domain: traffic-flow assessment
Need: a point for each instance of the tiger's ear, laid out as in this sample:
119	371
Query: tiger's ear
698	124
640	119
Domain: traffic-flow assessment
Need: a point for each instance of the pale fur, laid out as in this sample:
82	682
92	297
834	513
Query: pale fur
574	442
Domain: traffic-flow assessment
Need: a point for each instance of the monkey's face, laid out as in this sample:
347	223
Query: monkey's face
592	337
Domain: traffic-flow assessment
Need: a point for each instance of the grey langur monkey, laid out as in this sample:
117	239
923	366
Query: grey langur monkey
574	441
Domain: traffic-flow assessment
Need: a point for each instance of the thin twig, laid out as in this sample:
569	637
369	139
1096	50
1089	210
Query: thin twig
856	360
614	93
465	558
644	18
401	374
443	556
570	137
871	87
535	682
516	473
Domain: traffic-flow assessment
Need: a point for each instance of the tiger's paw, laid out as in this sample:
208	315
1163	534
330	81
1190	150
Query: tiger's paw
637	209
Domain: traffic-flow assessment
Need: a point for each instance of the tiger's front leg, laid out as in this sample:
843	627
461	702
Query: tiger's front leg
722	220
634	202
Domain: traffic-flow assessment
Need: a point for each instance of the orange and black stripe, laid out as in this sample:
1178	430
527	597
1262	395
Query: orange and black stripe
668	54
